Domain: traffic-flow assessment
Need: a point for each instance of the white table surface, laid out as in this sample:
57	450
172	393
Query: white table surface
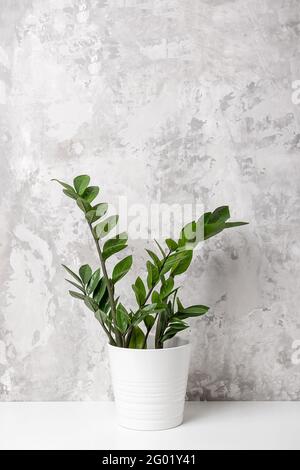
92	425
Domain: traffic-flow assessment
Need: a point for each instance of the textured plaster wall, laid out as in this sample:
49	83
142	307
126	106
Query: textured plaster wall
161	101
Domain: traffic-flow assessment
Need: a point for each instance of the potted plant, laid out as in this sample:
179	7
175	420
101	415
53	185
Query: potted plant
149	365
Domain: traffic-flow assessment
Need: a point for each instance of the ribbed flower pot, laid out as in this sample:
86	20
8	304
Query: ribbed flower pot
150	385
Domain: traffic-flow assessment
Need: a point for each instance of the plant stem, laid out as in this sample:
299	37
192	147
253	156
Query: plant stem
111	339
119	339
159	272
147	298
148	332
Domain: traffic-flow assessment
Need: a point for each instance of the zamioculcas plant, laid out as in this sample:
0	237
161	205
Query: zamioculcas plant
159	308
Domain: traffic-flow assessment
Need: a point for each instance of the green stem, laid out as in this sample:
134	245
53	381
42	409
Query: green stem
159	272
111	339
119	339
148	296
148	332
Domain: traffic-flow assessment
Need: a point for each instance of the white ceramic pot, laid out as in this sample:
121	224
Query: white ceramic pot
150	385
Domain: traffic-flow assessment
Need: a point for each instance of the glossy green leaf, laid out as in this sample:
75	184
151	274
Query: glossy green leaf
72	273
85	272
149	321
77	295
114	245
81	183
182	264
160	328
93	282
76	285
179	305
123	320
100	291
70	193
155	298
160	249
173	260
83	205
91	304
63	184
140	291
193	311
166	288
137	338
173	330
121	268
104	227
155	258
101	209
68	189
91	216
235	224
221	214
90	193
153	274
143	313
210	230
171	244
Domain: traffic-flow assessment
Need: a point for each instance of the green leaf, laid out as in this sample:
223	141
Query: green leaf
123	319
171	244
104	318
179	305
221	214
85	272
210	230
137	338
98	317
91	216
193	311
188	233
153	275
72	273
235	224
155	258
93	281
166	288
121	269
64	185
101	293
212	223
81	183
160	328
101	209
140	291
76	295
70	193
76	285
155	298
91	304
160	249
174	260
149	321
172	331
68	189
106	226
143	313
90	193
183	264
83	205
114	245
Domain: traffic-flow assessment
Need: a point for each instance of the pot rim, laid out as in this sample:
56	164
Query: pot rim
184	344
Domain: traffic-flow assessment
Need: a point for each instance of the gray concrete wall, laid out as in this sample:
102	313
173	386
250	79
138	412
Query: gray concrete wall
169	101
